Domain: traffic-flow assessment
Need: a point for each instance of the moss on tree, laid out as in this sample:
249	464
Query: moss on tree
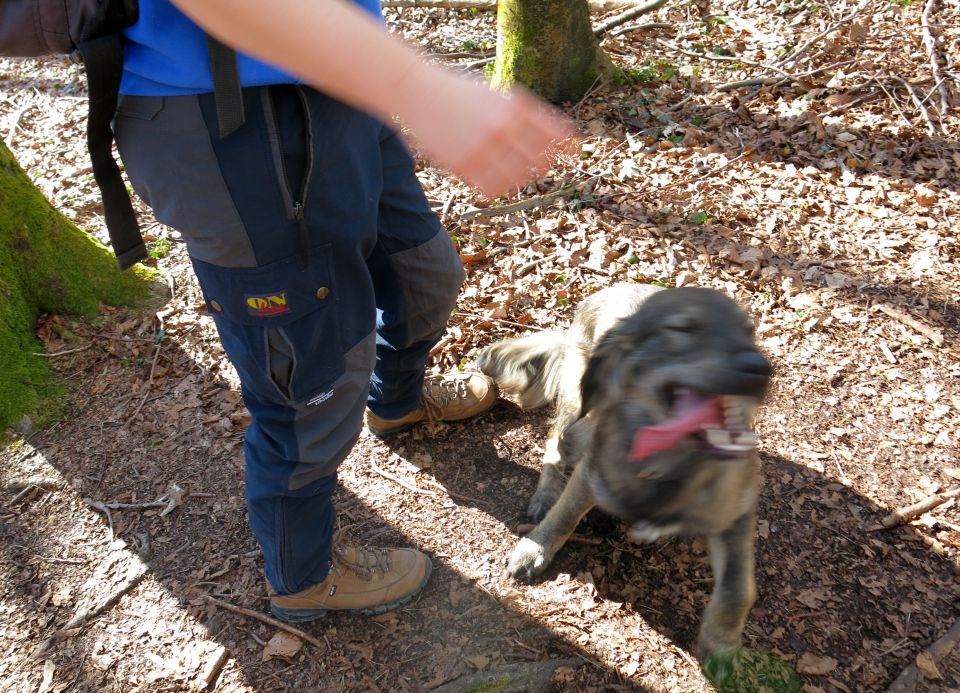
549	47
47	265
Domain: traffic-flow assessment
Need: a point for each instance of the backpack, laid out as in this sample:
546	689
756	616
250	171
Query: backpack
92	30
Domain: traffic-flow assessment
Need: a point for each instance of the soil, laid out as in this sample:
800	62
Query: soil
827	205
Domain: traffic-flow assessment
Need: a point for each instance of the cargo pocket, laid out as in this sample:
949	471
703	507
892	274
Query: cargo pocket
279	324
135	136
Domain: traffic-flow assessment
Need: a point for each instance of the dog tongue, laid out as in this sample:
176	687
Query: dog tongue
691	413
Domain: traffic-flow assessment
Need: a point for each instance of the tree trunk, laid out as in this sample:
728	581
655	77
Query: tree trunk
47	265
548	46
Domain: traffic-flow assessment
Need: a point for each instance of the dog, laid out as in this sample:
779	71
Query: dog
655	393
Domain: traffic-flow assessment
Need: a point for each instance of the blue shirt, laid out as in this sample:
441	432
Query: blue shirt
166	55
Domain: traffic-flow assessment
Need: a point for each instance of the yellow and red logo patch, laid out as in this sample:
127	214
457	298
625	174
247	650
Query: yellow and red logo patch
267	305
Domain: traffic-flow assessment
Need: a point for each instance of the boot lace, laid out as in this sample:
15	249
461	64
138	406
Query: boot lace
365	563
438	393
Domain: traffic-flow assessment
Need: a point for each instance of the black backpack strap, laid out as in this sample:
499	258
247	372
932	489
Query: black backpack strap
227	92
103	59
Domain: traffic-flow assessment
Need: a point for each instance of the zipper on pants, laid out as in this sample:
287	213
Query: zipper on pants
295	200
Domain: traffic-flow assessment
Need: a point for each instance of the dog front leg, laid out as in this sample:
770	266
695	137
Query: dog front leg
731	556
553	479
535	551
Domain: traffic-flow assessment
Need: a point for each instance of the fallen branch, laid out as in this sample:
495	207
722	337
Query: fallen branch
783	79
907	680
933	55
911	512
263	618
531	203
642	27
575	538
933	335
627	15
86	614
397	480
62	353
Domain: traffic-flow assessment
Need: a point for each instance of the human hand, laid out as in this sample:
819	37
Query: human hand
493	141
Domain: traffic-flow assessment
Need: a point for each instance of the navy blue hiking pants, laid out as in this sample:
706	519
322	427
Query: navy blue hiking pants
327	274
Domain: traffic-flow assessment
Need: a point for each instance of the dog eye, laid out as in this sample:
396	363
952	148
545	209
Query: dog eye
682	325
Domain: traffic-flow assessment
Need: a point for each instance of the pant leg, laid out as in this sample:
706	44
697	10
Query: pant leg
417	274
279	219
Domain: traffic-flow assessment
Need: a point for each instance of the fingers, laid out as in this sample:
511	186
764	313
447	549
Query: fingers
518	147
493	141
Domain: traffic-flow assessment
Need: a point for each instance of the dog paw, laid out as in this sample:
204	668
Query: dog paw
527	560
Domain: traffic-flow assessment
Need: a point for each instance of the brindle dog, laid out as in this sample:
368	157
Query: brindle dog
655	395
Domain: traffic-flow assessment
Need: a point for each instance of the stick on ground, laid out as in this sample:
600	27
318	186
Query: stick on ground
911	512
270	621
908	678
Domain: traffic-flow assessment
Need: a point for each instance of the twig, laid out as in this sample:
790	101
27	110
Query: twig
784	79
500	320
397	480
917	509
792	57
62	353
454	495
117	505
933	335
932	127
97	505
933	55
86	614
642	27
250	613
483	62
24	492
526	269
153	367
626	16
907	680
214	666
893	101
575	538
531	203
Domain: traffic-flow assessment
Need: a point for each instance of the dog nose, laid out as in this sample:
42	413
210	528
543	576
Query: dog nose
753	362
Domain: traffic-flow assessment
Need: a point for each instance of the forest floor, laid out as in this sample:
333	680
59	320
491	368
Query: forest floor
827	205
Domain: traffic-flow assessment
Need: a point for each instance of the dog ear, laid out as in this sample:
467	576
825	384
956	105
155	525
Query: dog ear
610	359
601	375
575	439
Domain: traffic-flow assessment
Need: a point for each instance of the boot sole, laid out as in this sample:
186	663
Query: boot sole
387	432
290	615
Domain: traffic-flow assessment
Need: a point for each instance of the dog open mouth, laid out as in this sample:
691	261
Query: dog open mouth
719	421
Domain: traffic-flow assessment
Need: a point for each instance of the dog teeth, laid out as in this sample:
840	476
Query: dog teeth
731	441
733	414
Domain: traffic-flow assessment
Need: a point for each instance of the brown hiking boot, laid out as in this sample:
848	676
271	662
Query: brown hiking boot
449	397
365	581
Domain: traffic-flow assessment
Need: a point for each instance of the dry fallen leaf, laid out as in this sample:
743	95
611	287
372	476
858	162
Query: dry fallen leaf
815	665
283	645
927	666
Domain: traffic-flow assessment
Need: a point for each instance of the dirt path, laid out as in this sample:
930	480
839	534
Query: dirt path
816	204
